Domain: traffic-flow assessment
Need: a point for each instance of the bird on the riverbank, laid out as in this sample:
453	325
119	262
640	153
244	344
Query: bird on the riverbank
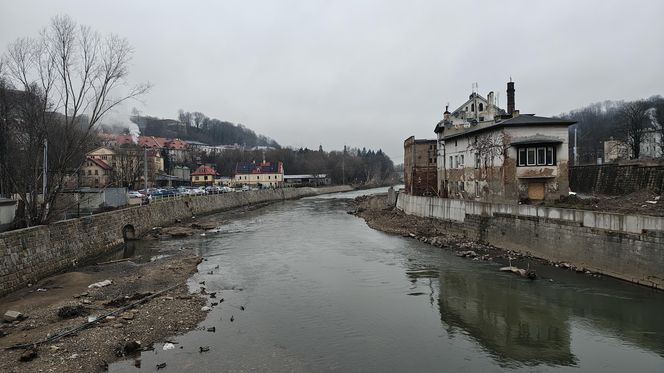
213	295
232	318
242	308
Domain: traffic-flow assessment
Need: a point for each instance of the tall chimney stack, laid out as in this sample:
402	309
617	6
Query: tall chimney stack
510	97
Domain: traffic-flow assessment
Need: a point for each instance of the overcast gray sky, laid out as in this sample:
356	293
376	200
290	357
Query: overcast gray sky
368	73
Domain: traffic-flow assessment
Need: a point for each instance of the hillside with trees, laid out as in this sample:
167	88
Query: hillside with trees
626	121
197	126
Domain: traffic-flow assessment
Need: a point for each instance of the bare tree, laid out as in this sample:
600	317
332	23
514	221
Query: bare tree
658	115
62	84
489	147
635	120
128	166
199	118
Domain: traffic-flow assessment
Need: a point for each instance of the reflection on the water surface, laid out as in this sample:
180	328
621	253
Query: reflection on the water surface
520	322
512	324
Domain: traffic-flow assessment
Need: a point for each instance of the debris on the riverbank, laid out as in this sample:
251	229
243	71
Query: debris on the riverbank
526	273
102	339
70	312
467	254
11	316
100	284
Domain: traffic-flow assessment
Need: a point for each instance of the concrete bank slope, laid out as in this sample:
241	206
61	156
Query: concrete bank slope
629	247
30	254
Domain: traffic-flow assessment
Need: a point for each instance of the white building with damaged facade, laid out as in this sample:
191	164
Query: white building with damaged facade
490	154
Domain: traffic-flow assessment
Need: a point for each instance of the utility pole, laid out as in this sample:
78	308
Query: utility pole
145	169
576	153
343	167
45	170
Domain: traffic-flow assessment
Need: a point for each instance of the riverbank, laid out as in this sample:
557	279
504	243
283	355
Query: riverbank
65	301
378	215
30	254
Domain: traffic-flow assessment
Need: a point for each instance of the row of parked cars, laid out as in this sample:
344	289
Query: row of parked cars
151	193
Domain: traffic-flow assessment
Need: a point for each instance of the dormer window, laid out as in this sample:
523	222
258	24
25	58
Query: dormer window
472	107
481	106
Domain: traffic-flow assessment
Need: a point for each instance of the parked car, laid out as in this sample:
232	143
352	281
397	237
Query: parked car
135	194
183	191
197	191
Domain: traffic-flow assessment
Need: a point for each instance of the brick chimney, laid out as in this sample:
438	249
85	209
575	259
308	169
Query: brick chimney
510	97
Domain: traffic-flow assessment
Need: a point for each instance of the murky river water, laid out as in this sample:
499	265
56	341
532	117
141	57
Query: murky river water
321	291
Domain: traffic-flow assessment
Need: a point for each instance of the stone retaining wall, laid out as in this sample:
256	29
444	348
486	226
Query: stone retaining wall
30	254
616	179
630	247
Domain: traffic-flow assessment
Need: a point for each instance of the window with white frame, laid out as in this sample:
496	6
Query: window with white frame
536	156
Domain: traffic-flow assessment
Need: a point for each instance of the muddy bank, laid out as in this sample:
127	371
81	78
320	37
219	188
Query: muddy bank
374	210
65	301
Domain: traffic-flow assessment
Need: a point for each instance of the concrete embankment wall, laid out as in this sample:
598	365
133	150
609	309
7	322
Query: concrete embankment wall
30	254
630	247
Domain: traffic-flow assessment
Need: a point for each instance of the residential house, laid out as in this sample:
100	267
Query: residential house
419	166
175	148
203	176
264	174
486	153
104	167
97	170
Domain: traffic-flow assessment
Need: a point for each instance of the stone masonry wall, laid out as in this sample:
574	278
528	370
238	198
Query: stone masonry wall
615	179
30	254
629	247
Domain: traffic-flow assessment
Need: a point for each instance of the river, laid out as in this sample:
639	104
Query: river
322	291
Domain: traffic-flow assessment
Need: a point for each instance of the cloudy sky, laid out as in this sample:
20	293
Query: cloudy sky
368	73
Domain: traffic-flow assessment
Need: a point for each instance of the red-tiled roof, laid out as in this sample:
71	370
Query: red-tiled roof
118	139
204	170
176	144
151	141
161	142
101	163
